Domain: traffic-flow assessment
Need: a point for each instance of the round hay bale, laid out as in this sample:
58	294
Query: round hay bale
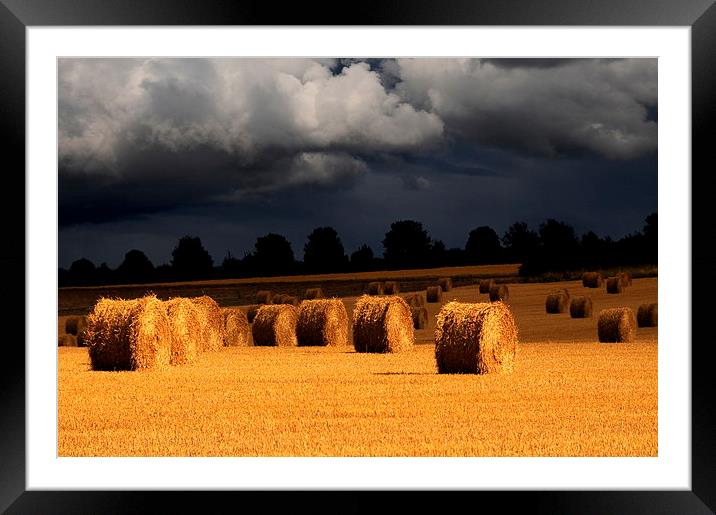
185	322
592	280
556	302
614	285
420	317
580	307
212	323
499	292
434	294
251	312
74	325
415	300
625	278
313	293
66	340
382	324
391	288
616	325
647	315
478	338
129	334
236	328
375	288
445	283
486	285
277	298
275	326
264	297
322	322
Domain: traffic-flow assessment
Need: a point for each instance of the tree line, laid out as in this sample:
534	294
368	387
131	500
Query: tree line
553	247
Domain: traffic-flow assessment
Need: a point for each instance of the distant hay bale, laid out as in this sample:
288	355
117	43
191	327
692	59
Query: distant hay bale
382	324
592	280
556	302
277	298
185	322
251	312
375	288
445	283
282	298
625	278
212	323
499	292
647	315
614	285
275	326
74	325
415	300
129	334
236	328
434	294
313	293
420	317
580	307
391	288
322	322
478	338
66	340
486	285
616	325
264	297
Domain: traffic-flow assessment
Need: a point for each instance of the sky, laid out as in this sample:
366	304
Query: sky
231	149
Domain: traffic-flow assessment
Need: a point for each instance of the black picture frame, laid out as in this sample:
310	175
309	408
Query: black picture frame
17	15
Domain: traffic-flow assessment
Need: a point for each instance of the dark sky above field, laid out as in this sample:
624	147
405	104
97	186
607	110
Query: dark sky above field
231	149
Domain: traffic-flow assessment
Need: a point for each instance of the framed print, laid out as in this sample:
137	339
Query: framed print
416	250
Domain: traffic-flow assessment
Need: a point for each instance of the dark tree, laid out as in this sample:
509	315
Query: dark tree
558	250
406	245
273	255
362	259
438	253
324	251
136	267
593	251
82	271
483	246
191	260
519	242
231	266
651	235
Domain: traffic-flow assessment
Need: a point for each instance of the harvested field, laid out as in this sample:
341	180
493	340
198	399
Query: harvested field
569	395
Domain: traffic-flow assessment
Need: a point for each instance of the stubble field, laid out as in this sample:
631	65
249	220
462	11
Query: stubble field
569	396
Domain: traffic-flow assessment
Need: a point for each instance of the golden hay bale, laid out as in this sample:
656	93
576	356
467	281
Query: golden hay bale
625	278
415	300
486	285
251	312
382	324
478	338
212	323
556	302
647	315
313	293
375	288
66	340
445	283
614	285
420	317
129	334
499	292
391	288
580	307
185	322
616	325
434	294
322	322
236	327
264	297
73	325
592	280
275	325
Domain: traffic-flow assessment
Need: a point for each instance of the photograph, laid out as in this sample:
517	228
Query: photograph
357	256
